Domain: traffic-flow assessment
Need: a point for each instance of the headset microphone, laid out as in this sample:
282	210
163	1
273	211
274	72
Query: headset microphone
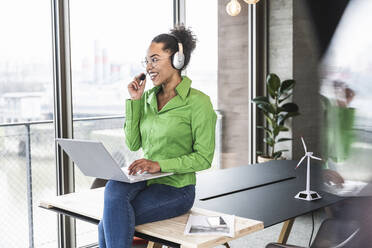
142	77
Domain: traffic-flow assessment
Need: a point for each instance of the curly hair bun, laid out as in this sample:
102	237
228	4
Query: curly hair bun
186	36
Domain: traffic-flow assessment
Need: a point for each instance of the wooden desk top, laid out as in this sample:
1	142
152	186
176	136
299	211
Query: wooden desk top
90	204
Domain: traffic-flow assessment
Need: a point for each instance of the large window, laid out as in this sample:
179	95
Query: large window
107	47
27	163
109	39
203	63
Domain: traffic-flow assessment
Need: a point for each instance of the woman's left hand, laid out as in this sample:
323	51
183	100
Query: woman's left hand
142	165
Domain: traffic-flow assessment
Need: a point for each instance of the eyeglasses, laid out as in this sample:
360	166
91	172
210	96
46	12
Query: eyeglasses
153	61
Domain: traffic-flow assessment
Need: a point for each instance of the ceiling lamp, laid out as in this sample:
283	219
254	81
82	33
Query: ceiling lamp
233	7
251	1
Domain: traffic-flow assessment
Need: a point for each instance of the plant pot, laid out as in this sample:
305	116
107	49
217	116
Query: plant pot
262	159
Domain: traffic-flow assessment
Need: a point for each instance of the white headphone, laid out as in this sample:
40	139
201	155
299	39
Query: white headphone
178	58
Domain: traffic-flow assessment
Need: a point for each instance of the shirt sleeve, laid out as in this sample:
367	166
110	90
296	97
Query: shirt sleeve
203	126
132	123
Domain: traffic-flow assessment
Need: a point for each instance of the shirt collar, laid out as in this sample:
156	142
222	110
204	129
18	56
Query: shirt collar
183	88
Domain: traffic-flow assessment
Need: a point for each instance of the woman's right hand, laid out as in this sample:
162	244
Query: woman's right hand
136	88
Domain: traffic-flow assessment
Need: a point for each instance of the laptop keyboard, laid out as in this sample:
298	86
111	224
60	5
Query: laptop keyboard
136	176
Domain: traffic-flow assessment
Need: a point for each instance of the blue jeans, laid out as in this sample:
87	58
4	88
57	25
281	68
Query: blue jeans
127	205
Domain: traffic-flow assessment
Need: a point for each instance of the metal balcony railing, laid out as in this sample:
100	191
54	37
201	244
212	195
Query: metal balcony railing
27	173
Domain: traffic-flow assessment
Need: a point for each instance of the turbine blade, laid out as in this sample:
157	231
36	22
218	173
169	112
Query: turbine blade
303	142
300	161
315	157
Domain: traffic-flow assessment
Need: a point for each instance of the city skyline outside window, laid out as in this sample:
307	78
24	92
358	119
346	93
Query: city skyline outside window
107	50
26	72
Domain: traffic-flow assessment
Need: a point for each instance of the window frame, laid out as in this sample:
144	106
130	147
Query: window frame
257	71
63	113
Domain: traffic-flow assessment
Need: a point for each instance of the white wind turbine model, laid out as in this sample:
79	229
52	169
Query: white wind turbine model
307	194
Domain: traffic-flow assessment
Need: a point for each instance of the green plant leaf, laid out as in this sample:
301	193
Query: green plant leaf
284	150
280	119
286	86
290	107
283	139
273	84
268	108
285	98
266	130
271	93
288	115
269	119
269	141
293	114
283	128
277	155
279	109
259	152
261	99
276	131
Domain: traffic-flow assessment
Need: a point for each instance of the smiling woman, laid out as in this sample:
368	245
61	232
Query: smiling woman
174	124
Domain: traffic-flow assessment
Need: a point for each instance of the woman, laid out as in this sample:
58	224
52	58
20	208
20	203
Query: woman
175	126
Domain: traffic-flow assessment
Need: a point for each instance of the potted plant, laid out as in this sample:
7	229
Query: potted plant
276	111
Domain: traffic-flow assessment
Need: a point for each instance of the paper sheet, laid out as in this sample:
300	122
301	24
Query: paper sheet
223	225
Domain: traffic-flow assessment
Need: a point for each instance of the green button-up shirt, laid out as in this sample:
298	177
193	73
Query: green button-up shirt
180	137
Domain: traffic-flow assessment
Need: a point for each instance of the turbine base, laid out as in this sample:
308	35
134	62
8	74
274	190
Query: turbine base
308	195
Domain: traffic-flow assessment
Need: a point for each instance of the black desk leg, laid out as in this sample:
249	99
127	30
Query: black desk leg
286	230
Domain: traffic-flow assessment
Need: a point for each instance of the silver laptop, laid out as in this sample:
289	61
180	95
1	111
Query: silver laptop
94	160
